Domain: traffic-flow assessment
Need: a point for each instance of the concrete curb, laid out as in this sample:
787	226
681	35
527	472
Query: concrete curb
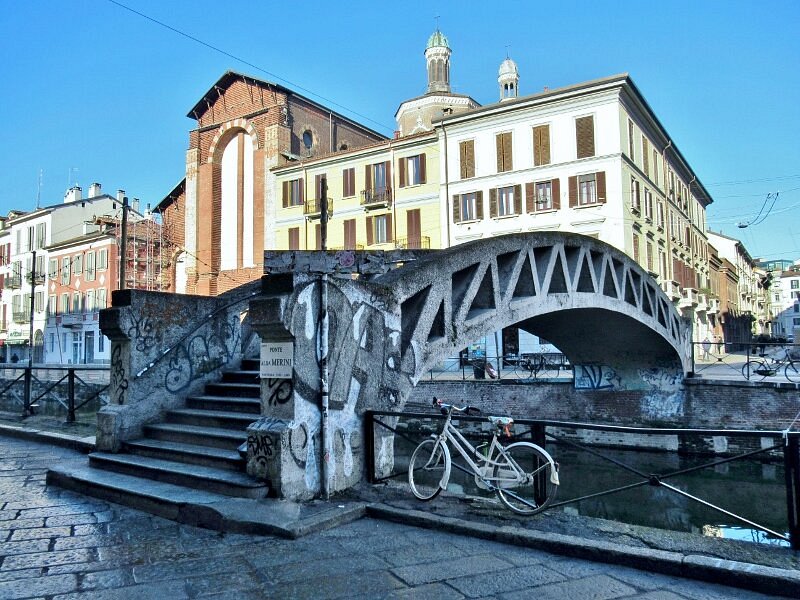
769	580
64	440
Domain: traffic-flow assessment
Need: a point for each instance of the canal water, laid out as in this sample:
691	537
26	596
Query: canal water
750	489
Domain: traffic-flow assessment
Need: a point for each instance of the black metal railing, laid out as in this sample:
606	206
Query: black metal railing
784	445
376	196
414	242
313	207
772	362
512	368
47	382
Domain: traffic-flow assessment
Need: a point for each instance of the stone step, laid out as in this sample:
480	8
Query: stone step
225	403
240	376
239	390
186	453
251	364
229	439
210	418
218	481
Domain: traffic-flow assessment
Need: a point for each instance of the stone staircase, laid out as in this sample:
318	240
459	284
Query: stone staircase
194	448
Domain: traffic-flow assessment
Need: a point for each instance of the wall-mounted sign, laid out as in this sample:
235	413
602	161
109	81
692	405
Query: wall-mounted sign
277	360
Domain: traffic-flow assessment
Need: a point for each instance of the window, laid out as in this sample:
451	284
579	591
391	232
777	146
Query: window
631	142
38	302
648	205
467	207
52	305
308	139
51	342
541	145
41	230
466	152
294	238
101	299
795	284
649	249
90	262
64	304
101	343
584	136
660	214
379	229
348	182
52	269
503	142
102	259
377	177
63	342
655	166
505	201
65	271
90	306
544	196
77	264
293	192
587	189
76	302
635	247
31	238
320	180
350	234
636	200
412	170
662	262
645	156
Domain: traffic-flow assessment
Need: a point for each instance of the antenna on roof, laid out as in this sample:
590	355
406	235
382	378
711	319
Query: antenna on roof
39	190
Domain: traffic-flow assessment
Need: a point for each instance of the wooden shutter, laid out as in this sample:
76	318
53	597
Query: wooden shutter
601	187
584	134
349	242
318	187
388	175
370	232
368	178
423	176
462	159
479	202
573	191
556	191
285	194
646	156
498	140
467	154
302	191
294	238
493	203
413	229
508	161
541	145
456	208
518	199
318	236
402	169
530	190
345	182
389	232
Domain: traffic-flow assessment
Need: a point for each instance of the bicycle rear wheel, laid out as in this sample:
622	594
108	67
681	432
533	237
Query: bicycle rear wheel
792	371
539	487
755	370
429	469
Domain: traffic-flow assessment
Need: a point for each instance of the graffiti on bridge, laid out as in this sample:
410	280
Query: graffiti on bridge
596	377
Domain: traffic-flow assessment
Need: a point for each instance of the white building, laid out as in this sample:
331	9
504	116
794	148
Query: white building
785	291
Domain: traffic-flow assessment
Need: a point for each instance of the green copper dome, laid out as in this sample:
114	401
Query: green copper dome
437	40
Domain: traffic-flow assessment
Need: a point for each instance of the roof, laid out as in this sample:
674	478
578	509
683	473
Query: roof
171	197
437	40
215	91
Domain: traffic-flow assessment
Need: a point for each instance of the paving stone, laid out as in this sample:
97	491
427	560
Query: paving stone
20	574
440	591
595	587
448	569
47	559
172	590
223	583
24	547
76	519
39	533
21	524
114	578
84	541
353	585
520	578
660	595
54	511
40	586
182	569
299	571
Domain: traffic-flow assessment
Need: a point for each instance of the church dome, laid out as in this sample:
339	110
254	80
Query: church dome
508	68
437	40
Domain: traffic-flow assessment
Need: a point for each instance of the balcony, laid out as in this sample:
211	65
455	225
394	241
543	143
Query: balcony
702	303
416	242
689	298
313	208
14	282
713	306
38	280
377	198
671	289
21	317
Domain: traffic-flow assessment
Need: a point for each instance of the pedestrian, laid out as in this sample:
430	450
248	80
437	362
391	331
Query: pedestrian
719	344
706	348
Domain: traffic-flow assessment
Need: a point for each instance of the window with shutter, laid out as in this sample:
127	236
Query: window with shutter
294	238
645	156
631	142
348	182
412	170
293	192
456	208
350	234
543	196
541	145
413	228
467	158
466	207
370	232
584	136
556	187
504	159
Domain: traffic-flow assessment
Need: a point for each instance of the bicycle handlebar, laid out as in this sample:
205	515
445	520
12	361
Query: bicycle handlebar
448	407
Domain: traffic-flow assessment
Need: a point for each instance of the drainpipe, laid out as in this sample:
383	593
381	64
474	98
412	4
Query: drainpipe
323	345
446	187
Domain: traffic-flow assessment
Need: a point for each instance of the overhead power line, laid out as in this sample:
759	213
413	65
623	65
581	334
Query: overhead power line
249	64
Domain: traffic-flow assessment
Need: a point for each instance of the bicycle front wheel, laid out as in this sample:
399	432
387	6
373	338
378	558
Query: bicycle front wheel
755	370
527	483
792	371
429	469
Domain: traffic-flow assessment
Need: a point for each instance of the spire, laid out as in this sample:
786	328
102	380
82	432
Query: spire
508	78
437	57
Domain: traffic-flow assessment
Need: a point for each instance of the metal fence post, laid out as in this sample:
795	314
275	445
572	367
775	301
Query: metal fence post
369	445
791	458
26	403
71	395
540	482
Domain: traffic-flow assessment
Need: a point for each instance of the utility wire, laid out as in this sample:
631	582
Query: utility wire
248	63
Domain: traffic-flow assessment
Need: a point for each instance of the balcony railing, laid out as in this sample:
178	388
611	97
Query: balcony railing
14	282
713	306
313	208
671	289
38	280
414	242
376	197
689	299
21	317
702	303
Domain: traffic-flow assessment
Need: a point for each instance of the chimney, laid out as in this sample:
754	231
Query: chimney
135	205
94	190
120	195
73	194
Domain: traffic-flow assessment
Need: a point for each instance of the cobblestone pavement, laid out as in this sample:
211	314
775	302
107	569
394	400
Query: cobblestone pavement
61	545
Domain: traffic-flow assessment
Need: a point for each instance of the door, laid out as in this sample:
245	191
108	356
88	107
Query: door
88	345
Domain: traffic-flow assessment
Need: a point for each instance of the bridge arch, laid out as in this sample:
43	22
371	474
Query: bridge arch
591	300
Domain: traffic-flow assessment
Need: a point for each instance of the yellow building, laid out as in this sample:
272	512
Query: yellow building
379	197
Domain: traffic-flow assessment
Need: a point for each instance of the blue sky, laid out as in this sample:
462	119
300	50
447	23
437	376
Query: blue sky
93	92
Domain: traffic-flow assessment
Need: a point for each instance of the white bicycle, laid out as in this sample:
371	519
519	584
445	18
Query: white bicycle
523	475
